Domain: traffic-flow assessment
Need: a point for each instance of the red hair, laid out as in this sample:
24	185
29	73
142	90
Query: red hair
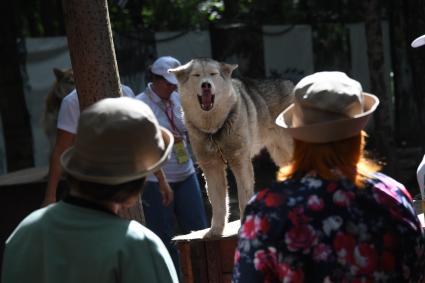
347	156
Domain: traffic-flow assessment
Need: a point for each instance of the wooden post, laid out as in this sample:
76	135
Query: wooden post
208	260
92	50
93	60
383	130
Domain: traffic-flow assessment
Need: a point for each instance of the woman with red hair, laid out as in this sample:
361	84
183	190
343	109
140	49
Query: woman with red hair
332	217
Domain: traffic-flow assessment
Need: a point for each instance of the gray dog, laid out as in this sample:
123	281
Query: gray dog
229	122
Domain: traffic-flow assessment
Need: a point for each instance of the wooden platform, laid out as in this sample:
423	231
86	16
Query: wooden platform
208	260
25	176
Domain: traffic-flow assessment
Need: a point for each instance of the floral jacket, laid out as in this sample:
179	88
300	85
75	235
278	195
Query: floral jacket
313	230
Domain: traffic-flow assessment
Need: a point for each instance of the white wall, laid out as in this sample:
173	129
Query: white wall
190	45
289	53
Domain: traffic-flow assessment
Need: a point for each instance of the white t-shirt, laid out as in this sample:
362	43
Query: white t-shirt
174	171
69	112
420	175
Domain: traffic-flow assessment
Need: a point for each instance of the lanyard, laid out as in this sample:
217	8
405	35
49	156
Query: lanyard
167	108
170	114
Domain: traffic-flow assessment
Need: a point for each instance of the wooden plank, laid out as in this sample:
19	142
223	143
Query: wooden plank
211	260
199	261
227	277
186	262
227	252
25	176
214	261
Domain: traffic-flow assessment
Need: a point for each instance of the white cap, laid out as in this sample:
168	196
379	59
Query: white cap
162	64
419	41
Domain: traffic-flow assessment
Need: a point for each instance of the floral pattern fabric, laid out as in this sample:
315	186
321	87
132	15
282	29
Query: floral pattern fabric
312	230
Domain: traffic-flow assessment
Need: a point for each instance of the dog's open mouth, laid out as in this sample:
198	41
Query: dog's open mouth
206	100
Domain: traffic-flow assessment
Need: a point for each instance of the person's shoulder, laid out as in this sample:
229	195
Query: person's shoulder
71	98
137	232
386	188
293	189
142	96
38	214
273	196
144	247
127	91
382	181
30	222
138	237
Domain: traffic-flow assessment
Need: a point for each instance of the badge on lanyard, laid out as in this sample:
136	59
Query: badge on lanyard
179	149
180	152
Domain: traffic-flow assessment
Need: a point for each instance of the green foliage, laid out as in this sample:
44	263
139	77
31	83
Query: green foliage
44	17
213	9
160	15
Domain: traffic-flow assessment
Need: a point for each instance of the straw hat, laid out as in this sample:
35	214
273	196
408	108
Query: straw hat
328	106
118	140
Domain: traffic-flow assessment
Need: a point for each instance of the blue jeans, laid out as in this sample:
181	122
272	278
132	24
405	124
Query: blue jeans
187	208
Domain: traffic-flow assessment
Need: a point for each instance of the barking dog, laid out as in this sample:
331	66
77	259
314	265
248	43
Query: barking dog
229	121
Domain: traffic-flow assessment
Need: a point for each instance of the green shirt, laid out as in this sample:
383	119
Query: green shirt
71	243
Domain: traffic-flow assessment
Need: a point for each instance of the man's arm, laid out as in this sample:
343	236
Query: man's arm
164	188
64	140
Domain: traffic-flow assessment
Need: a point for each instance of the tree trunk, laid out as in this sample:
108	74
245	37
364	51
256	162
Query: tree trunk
14	113
383	133
93	60
414	12
92	50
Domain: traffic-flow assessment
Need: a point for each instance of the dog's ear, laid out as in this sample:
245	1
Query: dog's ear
227	69
181	72
58	73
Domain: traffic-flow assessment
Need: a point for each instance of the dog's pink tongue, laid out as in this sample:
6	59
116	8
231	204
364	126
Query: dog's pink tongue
207	100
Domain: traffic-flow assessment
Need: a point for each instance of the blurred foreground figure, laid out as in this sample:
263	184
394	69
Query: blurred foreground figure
81	238
332	217
420	171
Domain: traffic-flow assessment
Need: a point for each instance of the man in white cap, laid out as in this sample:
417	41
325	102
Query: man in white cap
81	238
187	207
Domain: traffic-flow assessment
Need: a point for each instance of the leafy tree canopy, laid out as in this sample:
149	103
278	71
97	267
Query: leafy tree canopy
44	17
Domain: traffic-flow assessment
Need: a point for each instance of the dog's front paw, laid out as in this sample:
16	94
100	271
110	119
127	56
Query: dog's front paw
214	232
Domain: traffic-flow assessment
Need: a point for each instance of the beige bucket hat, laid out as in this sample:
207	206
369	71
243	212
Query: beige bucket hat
328	106
118	140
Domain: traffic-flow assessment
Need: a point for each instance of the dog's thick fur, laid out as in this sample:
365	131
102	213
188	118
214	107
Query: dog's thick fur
62	86
229	121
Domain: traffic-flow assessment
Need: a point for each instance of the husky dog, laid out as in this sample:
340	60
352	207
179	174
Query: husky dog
62	86
229	121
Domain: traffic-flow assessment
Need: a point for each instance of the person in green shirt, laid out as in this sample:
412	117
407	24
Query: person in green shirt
81	238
